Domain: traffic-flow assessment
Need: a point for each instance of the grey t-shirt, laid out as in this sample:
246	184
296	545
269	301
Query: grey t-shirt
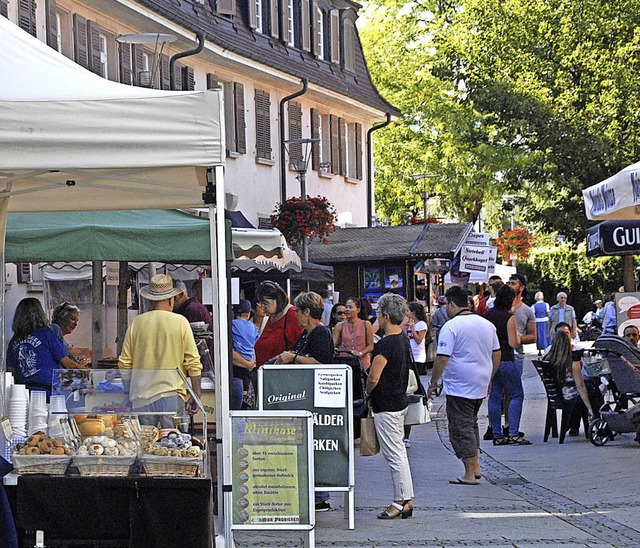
524	316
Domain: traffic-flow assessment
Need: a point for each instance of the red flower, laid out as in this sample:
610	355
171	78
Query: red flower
311	218
517	241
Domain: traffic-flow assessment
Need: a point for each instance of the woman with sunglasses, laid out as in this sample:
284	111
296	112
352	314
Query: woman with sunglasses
354	335
337	315
64	321
282	331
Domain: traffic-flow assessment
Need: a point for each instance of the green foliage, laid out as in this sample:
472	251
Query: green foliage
525	97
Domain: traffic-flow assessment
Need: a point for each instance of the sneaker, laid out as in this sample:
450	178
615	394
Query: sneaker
323	506
407	442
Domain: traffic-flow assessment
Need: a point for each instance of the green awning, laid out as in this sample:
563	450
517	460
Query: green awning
134	235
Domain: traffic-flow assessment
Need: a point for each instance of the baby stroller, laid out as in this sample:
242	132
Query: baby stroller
619	367
359	385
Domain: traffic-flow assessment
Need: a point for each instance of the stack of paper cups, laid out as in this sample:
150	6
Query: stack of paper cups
37	412
57	410
18	402
8	382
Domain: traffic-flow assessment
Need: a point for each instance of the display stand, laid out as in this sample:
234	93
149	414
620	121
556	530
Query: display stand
272	468
326	391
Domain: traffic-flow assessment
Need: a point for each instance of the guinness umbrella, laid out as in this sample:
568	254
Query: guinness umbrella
613	238
617	197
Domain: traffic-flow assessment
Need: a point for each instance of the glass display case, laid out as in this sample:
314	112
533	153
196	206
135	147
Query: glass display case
114	422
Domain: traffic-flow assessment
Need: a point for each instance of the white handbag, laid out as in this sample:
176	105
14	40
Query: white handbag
417	412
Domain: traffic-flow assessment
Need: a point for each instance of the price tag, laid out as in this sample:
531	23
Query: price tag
6	428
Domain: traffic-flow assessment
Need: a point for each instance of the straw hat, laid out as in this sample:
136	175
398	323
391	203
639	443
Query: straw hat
160	288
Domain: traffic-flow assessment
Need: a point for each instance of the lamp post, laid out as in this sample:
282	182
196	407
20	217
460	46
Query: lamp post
299	152
424	194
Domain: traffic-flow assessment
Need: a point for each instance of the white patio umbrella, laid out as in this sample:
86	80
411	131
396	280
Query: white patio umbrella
615	198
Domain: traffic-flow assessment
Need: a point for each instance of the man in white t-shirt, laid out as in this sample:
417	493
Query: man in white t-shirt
468	356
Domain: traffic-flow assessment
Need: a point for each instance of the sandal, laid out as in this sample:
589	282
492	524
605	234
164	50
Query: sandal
504	440
404	510
518	440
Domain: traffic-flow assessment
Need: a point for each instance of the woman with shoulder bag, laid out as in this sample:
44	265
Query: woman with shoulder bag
386	388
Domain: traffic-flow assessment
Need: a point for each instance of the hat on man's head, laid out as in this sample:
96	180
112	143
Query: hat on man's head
160	288
244	307
597	301
442	299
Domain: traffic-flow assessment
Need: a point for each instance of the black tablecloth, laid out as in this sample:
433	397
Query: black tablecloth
139	512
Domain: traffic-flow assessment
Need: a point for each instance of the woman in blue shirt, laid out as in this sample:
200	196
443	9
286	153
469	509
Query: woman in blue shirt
35	350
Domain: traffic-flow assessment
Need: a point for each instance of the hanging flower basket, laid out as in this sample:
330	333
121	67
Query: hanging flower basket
311	218
421	221
514	242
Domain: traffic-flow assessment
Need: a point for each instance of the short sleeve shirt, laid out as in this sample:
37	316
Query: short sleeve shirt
390	392
469	341
318	344
35	357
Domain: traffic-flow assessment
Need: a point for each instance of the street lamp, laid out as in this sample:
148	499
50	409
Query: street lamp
146	78
424	194
299	152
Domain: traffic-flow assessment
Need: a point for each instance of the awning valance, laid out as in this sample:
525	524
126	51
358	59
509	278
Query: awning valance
613	238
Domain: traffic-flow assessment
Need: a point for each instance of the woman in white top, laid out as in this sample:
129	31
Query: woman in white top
417	329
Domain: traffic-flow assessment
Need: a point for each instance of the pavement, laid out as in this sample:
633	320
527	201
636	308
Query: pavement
545	494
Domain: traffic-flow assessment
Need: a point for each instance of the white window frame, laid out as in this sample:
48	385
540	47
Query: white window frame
291	25
258	15
104	56
320	33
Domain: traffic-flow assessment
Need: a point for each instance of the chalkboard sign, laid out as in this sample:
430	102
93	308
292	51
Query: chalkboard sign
271	477
326	391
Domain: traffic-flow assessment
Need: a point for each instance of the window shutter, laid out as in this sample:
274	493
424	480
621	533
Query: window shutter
342	146
358	151
137	52
52	24
241	137
177	75
315	47
93	43
25	273
315	134
284	22
124	56
274	18
253	19
226	7
335	36
188	79
335	148
80	45
165	79
263	128
4	8
305	25
212	81
349	44
295	132
27	16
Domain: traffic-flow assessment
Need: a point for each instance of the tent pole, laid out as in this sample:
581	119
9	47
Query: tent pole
4	207
123	276
97	309
220	301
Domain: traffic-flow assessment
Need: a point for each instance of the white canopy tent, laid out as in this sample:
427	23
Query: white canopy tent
70	141
615	198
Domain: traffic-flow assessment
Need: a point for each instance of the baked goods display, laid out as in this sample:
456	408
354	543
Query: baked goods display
41	454
173	453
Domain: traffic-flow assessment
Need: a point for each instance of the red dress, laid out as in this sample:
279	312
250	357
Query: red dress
277	337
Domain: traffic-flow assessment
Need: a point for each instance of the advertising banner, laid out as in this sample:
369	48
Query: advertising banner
326	391
613	238
475	258
627	311
272	480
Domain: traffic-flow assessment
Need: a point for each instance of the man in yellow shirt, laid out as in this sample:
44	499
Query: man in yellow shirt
156	344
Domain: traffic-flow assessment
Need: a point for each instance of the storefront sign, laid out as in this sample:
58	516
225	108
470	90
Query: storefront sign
325	390
613	238
478	238
475	258
272	480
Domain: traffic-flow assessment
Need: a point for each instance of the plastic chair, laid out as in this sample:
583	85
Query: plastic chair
556	402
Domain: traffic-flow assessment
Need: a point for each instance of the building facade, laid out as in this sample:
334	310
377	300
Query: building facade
290	69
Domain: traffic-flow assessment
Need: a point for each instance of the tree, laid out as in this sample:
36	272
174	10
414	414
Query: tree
526	97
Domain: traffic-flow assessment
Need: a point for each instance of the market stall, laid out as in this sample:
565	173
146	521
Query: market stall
71	141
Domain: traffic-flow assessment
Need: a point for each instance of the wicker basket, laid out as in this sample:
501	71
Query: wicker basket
94	465
171	466
40	464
